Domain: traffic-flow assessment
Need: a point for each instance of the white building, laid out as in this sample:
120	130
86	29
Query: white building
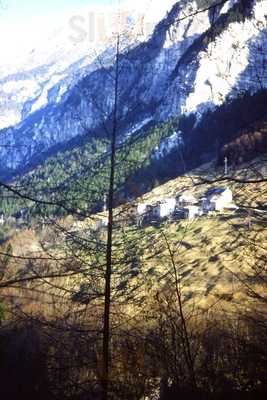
192	212
217	199
141	208
164	208
167	207
187	198
2	219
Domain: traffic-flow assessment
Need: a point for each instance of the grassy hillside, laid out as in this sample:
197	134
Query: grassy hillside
214	255
53	280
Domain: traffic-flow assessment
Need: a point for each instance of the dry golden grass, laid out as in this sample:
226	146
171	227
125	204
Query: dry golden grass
215	257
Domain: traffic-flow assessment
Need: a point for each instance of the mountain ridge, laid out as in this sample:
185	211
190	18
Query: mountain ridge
157	98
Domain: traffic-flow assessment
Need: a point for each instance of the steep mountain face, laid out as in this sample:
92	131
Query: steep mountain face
193	62
41	75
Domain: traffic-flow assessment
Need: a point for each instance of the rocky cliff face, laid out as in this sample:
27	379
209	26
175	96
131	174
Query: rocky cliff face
191	63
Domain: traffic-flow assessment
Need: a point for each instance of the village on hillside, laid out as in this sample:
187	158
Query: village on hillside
182	206
185	206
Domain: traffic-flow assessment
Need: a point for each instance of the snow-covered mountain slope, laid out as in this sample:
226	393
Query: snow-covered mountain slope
43	69
192	62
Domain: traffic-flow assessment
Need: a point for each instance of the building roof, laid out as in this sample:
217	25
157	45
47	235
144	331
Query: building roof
187	196
215	191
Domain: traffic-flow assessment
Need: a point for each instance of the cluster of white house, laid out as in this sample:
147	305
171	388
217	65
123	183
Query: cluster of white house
187	206
182	206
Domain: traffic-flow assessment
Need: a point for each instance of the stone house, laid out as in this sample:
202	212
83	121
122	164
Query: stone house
164	208
186	198
216	199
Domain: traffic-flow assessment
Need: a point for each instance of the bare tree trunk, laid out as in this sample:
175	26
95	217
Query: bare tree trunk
108	273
